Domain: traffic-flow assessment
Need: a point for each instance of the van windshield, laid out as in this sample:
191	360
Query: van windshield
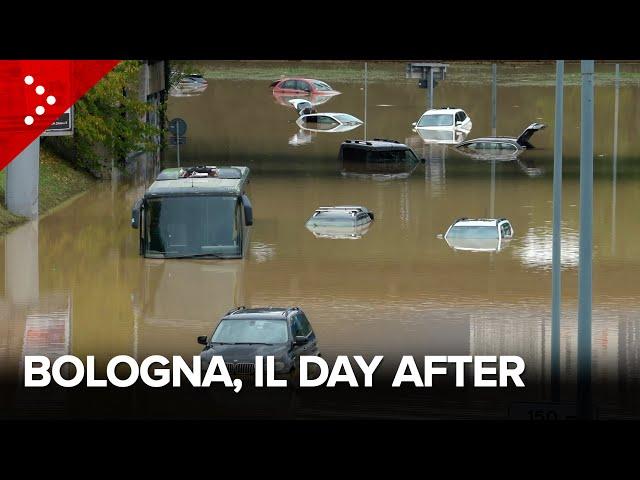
193	225
489	232
440	120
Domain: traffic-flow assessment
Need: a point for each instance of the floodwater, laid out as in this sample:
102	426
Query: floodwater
74	283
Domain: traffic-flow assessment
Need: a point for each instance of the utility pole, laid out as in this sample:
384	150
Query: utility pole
586	241
556	290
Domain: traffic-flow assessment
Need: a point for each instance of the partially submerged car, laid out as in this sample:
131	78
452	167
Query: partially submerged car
244	333
328	122
340	222
194	212
499	148
479	234
188	85
377	157
447	118
302	86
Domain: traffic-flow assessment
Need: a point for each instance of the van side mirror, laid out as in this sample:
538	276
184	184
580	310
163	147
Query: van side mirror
202	339
248	210
135	214
300	340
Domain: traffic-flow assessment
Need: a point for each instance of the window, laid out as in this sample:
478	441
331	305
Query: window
439	120
302	85
321	86
251	331
300	326
354	154
325	119
289	84
463	116
346	119
460	231
506	230
311	119
193	225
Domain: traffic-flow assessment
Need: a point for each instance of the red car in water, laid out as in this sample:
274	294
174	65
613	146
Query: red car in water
302	86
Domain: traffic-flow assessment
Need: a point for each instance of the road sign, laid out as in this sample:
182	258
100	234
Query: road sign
62	126
178	127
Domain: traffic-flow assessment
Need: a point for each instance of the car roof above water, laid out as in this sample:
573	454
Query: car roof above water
264	313
375	144
227	181
478	222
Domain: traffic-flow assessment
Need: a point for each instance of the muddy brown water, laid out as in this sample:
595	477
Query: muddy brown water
74	282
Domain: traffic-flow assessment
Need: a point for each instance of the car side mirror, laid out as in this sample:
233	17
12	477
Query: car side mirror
248	211
135	214
202	339
414	124
300	340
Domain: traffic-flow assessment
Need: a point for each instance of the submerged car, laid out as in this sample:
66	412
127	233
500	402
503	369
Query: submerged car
340	222
244	333
479	234
377	157
447	118
193	212
188	85
314	99
328	122
500	148
302	86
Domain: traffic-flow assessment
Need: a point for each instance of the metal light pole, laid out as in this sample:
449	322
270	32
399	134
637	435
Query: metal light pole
615	162
366	72
586	241
494	96
557	224
430	88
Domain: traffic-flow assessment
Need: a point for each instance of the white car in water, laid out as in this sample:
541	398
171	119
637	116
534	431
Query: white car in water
328	122
444	119
340	222
479	234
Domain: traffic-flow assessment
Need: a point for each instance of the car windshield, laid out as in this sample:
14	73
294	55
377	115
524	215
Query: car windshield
476	231
321	86
193	225
345	118
251	331
439	120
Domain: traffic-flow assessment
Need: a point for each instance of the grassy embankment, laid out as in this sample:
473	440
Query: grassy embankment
59	181
509	73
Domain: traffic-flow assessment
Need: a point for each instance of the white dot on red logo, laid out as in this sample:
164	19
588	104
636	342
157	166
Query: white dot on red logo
39	109
39	89
28	120
51	99
28	79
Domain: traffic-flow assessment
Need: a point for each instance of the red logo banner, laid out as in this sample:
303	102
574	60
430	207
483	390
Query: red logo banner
34	93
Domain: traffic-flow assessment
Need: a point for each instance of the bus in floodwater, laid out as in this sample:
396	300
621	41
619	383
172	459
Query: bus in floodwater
195	212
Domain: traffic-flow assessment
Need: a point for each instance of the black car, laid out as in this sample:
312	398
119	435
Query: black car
244	333
377	157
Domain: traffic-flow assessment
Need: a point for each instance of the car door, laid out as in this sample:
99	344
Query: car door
303	87
288	86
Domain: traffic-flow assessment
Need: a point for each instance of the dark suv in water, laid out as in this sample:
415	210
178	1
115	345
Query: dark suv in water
244	333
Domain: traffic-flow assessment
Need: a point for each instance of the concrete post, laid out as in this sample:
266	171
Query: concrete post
23	175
